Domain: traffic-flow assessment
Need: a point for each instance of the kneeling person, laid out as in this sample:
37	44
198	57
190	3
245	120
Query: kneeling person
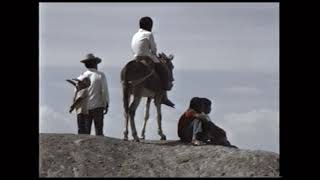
189	126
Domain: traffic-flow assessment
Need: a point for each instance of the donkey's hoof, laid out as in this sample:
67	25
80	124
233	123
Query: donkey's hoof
125	138
136	139
163	138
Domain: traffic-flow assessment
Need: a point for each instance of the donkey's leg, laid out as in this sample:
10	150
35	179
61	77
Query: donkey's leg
126	101
146	117
132	110
159	118
126	122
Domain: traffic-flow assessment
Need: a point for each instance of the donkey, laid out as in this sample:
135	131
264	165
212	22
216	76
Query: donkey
138	81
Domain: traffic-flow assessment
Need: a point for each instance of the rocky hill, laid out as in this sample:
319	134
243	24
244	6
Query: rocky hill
69	155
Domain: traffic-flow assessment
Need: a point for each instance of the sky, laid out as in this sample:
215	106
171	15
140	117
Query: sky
227	52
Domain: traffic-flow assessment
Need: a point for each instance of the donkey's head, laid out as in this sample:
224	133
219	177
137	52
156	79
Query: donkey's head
80	84
167	60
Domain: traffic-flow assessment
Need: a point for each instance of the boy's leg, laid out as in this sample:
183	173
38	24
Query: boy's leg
89	122
86	122
98	121
163	74
204	135
221	141
187	133
166	100
81	123
214	133
219	137
166	85
201	136
197	130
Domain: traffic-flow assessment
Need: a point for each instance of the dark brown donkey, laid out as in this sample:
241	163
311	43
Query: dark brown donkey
139	81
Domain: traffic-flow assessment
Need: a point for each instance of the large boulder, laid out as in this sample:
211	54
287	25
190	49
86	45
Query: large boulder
69	155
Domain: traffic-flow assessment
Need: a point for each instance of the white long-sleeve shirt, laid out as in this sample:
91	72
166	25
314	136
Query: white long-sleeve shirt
143	44
98	90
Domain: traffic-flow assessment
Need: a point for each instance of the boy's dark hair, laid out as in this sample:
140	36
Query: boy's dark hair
195	103
146	23
206	105
206	102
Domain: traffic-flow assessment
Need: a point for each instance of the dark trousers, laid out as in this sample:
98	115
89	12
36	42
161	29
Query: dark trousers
82	123
186	133
96	115
215	134
163	75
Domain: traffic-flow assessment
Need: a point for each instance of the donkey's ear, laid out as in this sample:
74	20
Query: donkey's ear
71	82
75	79
161	55
171	56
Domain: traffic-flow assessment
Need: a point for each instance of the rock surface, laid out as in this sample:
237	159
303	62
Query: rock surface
69	155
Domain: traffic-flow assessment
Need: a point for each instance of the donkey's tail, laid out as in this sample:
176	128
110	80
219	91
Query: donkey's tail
125	91
126	96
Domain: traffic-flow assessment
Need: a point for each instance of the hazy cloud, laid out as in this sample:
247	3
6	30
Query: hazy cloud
243	90
257	129
215	36
52	121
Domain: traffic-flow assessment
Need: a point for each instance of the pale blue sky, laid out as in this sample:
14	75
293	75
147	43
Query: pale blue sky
221	36
227	52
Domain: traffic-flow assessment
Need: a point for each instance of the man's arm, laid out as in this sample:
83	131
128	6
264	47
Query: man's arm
82	76
153	45
105	93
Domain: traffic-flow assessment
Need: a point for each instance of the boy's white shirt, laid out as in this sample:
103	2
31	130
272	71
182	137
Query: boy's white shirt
143	44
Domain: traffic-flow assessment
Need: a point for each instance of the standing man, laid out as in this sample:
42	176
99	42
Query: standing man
144	48
98	102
